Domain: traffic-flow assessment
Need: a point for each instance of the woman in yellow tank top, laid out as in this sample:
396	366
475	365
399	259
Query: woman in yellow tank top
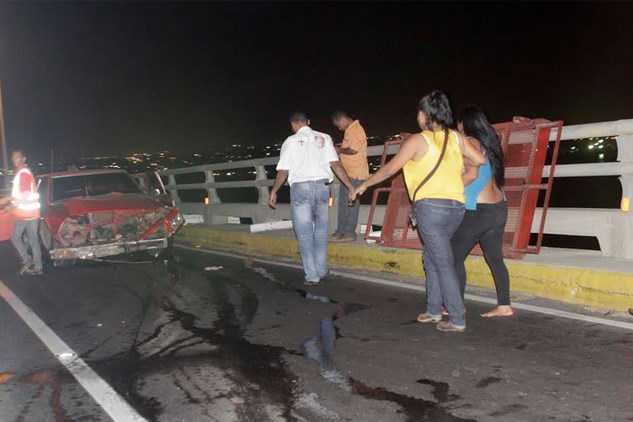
438	204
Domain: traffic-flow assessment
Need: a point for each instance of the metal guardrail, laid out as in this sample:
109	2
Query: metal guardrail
612	227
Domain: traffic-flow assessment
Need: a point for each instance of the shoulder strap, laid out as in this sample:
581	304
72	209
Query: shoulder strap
432	172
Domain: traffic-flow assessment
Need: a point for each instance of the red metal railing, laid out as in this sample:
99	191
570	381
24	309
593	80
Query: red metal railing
525	143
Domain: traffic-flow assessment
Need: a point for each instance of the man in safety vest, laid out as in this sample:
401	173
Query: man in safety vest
25	202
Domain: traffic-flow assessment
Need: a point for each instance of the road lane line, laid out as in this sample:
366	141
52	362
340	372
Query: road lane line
474	298
111	402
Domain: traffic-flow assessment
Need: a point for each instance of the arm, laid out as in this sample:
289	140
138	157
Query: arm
471	168
280	179
406	153
347	151
472	154
355	141
340	172
470	174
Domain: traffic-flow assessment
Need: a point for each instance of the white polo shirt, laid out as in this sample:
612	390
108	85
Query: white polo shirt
307	155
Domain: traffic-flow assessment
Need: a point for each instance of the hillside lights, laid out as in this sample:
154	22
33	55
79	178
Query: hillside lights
624	205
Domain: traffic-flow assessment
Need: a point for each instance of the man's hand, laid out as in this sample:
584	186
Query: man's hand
280	179
272	200
357	192
351	198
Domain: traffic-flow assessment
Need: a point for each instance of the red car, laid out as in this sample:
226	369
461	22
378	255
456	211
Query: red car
98	213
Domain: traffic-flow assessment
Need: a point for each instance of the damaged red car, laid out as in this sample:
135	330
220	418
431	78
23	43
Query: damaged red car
99	213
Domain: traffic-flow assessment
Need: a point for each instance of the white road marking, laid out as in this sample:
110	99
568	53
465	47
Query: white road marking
111	402
474	298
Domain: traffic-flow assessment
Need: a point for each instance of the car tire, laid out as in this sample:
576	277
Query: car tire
49	243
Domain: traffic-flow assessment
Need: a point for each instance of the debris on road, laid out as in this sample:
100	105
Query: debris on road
237	400
214	268
66	356
99	325
265	274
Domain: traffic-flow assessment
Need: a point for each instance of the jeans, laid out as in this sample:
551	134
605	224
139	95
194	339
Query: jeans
309	213
437	221
347	216
30	228
486	226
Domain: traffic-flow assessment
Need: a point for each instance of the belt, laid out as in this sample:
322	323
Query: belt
314	182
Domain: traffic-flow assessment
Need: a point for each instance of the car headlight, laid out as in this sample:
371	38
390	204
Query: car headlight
177	221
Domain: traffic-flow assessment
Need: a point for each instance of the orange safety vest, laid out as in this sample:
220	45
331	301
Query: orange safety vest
27	203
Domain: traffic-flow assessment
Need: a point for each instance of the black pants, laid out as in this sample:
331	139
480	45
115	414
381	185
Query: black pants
486	226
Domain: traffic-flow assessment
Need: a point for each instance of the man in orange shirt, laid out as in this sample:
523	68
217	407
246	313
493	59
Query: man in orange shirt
353	156
25	202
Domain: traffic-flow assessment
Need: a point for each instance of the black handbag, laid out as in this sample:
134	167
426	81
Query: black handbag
412	218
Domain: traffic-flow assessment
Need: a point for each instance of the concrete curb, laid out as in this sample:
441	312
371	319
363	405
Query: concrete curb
595	288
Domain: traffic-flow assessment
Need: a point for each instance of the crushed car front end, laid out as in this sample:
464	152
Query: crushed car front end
99	213
108	233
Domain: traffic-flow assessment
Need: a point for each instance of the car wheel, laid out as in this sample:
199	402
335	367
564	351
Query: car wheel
49	243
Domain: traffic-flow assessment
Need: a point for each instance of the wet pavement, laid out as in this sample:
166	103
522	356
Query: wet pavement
249	342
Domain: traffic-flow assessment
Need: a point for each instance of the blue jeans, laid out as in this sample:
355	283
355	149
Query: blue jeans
309	213
437	221
30	228
347	216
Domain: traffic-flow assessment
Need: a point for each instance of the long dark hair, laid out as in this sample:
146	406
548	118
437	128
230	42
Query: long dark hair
437	110
476	125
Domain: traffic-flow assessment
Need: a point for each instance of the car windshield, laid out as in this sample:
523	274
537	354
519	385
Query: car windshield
92	185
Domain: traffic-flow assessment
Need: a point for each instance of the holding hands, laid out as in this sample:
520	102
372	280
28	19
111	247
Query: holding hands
354	194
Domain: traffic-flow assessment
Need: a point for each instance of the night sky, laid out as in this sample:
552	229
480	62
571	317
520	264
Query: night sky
114	78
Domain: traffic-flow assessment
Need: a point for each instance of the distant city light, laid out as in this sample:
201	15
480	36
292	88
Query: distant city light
590	146
601	156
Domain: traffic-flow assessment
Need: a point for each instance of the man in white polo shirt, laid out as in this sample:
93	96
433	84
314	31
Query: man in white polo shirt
308	160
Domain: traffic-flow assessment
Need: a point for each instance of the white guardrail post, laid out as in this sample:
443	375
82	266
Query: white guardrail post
212	193
612	227
173	192
623	228
264	193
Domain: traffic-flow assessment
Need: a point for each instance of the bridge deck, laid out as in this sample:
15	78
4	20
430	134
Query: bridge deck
247	341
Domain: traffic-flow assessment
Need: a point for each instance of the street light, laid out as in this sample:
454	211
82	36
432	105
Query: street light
3	145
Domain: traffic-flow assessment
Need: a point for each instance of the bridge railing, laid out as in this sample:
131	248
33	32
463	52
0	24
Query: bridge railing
612	227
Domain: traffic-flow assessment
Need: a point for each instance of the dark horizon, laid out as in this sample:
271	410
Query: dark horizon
116	78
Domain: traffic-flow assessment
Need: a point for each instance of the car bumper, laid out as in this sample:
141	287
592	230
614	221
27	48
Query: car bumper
110	249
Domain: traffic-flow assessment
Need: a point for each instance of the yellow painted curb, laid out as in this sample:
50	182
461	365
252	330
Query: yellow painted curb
601	289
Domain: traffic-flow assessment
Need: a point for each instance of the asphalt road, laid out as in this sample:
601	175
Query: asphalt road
248	342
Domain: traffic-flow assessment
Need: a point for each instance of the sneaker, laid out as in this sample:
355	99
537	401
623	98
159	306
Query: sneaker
34	272
424	318
26	267
335	237
311	282
342	239
448	326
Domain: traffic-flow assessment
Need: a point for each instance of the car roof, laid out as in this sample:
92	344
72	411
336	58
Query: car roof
81	173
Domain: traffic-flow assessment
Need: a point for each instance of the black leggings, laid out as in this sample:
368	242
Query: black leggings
486	226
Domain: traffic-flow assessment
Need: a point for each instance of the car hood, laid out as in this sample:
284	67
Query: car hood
111	202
